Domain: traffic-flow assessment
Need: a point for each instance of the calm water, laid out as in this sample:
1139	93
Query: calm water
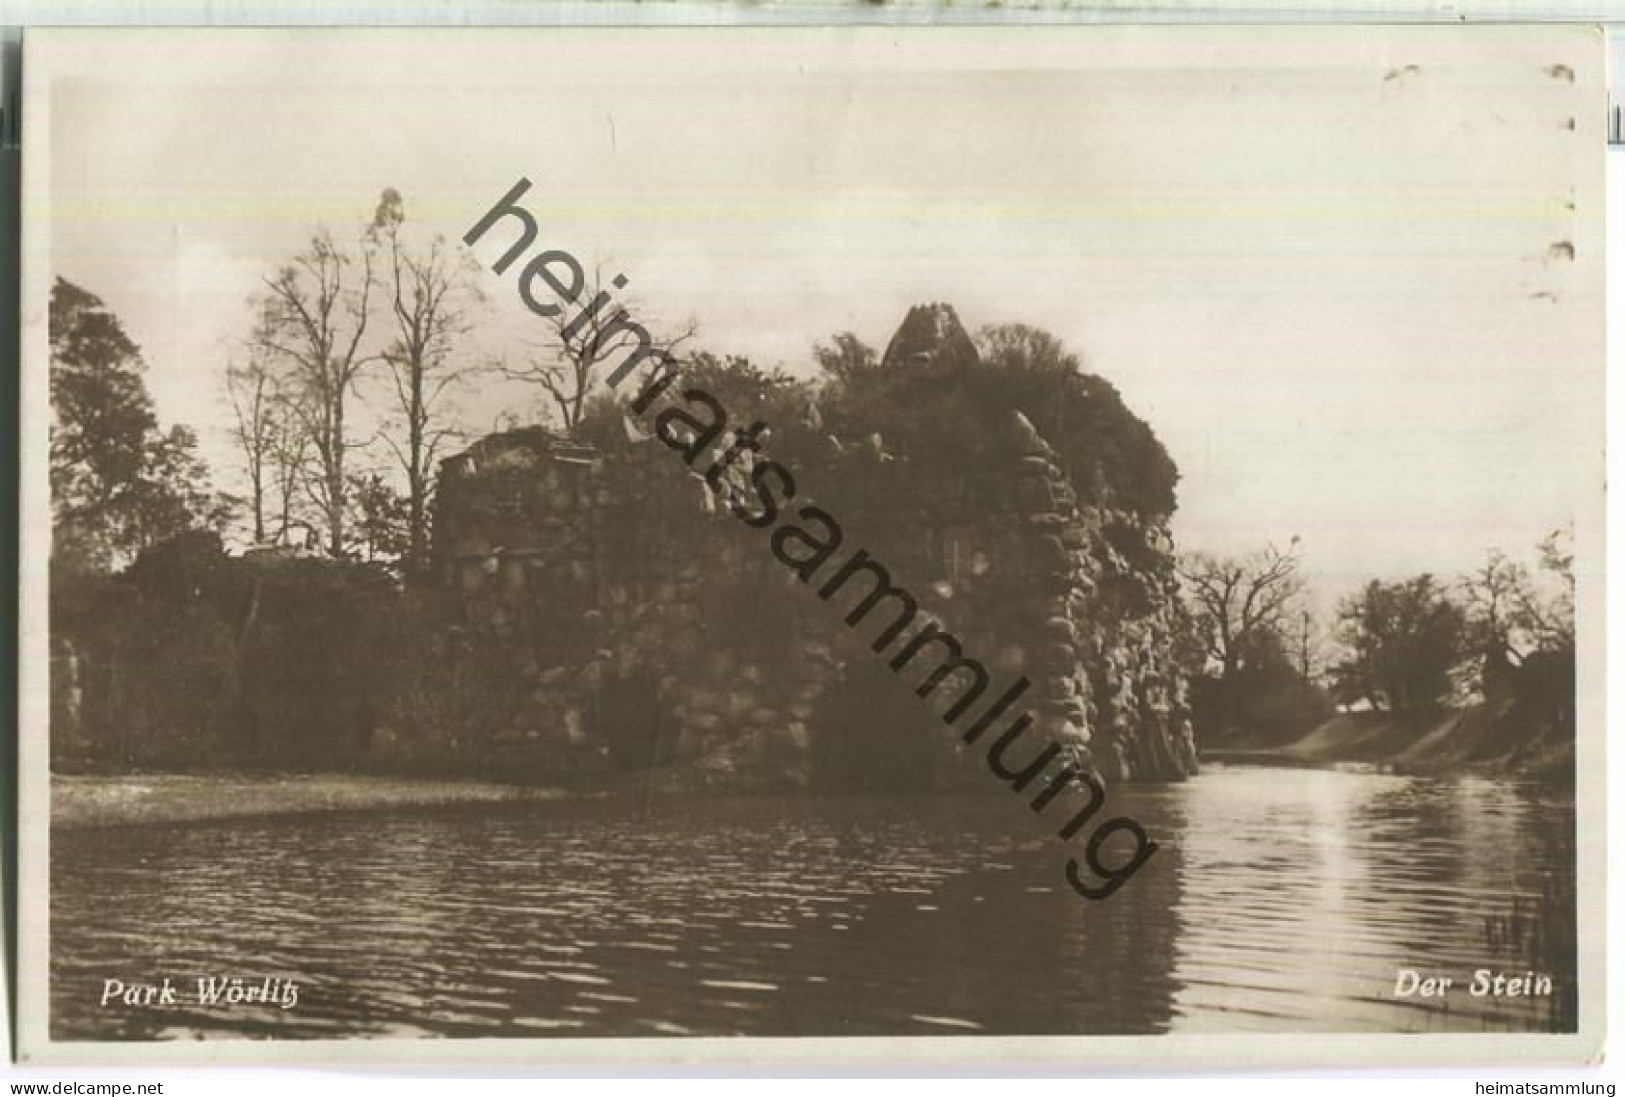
1281	899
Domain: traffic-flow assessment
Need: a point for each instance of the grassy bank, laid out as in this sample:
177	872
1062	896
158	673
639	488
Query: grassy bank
102	801
1477	738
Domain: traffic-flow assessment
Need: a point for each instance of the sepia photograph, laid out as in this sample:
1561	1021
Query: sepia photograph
595	541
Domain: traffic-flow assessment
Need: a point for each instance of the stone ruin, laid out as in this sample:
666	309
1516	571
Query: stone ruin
634	625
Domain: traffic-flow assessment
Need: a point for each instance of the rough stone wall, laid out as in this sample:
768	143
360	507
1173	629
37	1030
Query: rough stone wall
647	633
648	630
1108	628
1128	648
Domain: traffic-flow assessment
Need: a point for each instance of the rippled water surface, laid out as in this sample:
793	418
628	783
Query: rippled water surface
1280	900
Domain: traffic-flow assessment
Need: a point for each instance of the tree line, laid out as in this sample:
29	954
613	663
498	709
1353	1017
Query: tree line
383	316
380	315
120	482
386	315
1266	668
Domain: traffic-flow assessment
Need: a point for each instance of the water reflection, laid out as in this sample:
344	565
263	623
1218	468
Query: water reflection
1303	909
1280	900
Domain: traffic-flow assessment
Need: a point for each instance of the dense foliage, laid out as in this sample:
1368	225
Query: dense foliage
119	481
1404	640
193	659
941	409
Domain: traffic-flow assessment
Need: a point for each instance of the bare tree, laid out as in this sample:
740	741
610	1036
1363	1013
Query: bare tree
271	441
251	388
290	460
1551	619
1509	615
313	317
1306	643
1236	601
1493	597
585	336
433	293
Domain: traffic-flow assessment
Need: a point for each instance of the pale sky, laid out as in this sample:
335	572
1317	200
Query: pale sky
1320	263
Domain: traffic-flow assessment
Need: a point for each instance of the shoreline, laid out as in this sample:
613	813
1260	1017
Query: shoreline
1287	758
91	801
96	801
1482	739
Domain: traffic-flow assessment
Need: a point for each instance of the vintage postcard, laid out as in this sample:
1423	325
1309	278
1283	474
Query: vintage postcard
932	546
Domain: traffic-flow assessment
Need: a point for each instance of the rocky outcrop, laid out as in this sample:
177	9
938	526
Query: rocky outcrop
640	627
930	335
599	611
